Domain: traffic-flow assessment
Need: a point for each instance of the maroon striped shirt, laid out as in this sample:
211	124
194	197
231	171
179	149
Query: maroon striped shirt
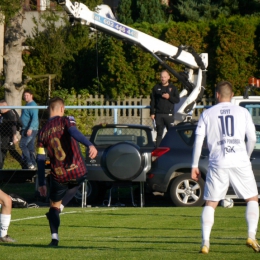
66	160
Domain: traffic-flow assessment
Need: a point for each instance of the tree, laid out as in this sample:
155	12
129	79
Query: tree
13	63
124	12
195	10
150	11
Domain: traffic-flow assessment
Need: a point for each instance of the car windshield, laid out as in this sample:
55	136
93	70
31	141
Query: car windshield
254	110
115	135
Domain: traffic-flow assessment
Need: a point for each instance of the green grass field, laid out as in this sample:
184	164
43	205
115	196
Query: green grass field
127	233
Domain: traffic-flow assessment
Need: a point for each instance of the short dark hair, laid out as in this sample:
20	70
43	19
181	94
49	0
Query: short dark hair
53	102
224	88
28	91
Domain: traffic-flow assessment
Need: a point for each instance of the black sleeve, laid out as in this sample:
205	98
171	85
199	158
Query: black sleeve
12	121
174	96
152	102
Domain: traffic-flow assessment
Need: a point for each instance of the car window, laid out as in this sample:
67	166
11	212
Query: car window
105	136
187	135
257	145
254	110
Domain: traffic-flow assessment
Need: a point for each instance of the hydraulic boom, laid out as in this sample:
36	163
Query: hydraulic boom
193	78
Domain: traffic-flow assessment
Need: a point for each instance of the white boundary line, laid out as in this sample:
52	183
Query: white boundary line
70	212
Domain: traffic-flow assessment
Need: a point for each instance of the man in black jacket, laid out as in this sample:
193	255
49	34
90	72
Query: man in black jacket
9	138
163	98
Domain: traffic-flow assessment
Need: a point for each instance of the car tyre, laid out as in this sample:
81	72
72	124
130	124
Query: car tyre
185	192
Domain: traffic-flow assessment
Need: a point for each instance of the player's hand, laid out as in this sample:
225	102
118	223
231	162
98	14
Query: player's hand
29	132
152	117
43	190
166	95
92	152
195	174
15	140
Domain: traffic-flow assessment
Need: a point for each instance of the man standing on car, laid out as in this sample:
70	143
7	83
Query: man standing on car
60	137
226	125
163	98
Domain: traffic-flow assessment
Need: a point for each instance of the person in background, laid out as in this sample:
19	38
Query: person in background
30	125
227	126
163	98
8	132
60	137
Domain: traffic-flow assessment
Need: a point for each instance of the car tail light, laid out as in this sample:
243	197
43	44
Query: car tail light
159	152
150	175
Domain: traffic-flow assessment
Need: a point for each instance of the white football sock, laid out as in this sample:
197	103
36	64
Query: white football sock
252	216
5	222
61	208
207	221
55	236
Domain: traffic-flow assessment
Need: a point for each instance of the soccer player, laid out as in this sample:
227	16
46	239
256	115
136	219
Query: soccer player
60	137
5	217
226	126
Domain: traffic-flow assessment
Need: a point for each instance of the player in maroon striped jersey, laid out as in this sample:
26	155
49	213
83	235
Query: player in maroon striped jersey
60	137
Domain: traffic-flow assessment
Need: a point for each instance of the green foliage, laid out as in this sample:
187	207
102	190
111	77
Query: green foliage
236	56
195	10
187	34
102	64
10	8
124	12
84	119
150	11
56	50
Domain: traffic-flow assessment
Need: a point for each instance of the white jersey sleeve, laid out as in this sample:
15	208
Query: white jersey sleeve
226	126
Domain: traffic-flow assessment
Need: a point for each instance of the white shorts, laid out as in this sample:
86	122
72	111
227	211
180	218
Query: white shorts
241	179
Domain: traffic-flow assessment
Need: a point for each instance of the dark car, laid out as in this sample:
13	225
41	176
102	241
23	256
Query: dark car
171	166
124	157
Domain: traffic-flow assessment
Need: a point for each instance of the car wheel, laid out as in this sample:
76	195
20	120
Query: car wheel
123	161
185	192
93	192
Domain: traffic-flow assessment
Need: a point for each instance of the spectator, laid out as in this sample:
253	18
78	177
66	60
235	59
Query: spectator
29	131
8	132
163	98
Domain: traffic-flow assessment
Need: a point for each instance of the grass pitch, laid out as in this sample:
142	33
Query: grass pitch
127	233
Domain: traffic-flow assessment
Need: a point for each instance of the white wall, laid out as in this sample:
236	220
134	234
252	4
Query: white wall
28	23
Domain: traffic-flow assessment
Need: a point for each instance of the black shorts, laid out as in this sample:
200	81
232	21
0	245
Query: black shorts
58	189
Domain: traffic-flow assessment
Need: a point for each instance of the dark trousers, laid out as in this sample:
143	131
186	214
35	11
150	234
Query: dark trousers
162	120
7	146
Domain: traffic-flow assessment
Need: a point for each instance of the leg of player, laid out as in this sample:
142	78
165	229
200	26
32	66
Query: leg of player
207	221
70	193
252	217
54	222
5	217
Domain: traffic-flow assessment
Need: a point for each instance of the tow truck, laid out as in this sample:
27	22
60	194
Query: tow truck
193	78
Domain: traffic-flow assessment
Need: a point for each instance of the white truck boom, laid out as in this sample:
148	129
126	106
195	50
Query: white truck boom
193	78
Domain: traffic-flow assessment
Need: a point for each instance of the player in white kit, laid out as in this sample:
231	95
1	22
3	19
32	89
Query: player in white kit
226	126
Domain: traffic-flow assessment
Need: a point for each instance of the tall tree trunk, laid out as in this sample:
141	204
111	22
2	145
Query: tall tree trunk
13	63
